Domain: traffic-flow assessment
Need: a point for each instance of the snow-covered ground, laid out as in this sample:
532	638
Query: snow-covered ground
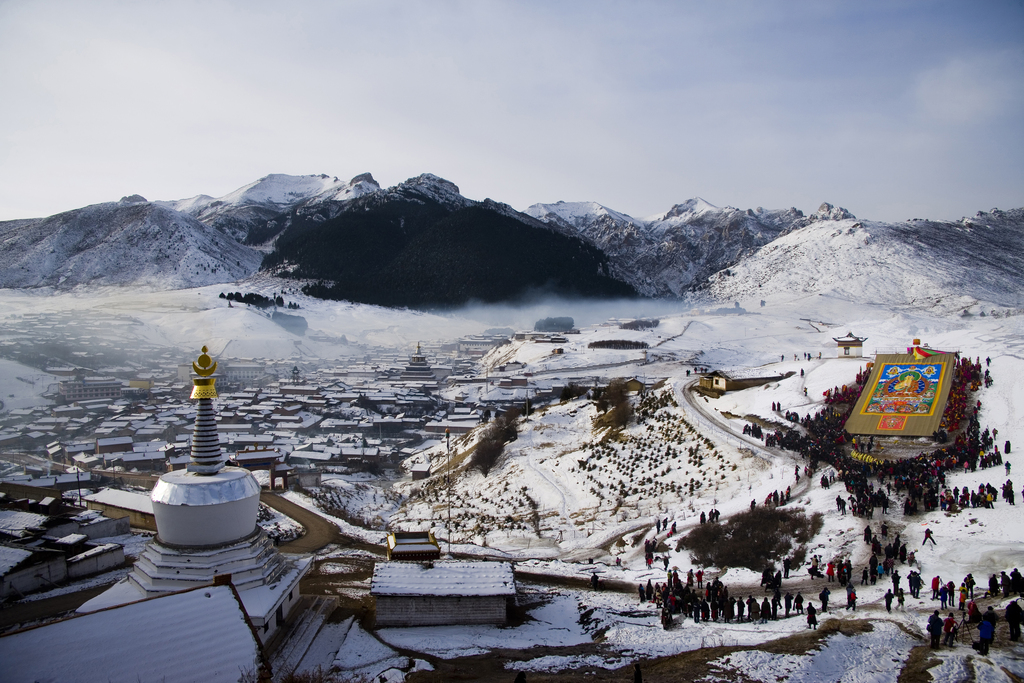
566	494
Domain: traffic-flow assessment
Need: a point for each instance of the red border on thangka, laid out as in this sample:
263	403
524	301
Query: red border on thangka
892	422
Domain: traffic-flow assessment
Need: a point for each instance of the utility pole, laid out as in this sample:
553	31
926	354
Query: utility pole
448	440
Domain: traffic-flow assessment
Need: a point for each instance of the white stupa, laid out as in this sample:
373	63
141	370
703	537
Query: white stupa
206	528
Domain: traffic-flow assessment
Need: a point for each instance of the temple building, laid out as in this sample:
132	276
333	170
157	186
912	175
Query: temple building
206	529
850	346
418	369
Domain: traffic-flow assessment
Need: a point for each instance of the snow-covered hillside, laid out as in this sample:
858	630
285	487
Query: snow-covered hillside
945	266
571	498
757	253
670	253
119	243
251	206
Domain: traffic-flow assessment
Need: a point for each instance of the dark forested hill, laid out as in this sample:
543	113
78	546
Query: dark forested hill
421	254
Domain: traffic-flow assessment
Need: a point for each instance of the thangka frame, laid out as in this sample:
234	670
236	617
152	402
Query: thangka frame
904	396
905	389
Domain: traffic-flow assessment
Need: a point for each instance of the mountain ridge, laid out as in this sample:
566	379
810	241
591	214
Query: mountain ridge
693	248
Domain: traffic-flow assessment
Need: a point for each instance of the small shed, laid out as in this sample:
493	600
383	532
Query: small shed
717	382
413	546
420	471
442	593
850	346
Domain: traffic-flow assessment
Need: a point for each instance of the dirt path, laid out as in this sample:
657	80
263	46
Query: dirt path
319	532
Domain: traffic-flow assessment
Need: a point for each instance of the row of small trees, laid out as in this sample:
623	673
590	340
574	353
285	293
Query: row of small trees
619	344
258	300
640	325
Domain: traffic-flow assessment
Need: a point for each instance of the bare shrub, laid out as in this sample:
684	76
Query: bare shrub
753	538
502	430
614	402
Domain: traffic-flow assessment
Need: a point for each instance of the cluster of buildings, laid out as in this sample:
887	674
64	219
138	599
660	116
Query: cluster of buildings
211	563
45	543
370	413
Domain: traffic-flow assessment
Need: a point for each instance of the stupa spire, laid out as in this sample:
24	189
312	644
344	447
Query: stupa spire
206	454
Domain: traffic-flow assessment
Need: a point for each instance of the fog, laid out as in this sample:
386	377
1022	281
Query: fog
583	311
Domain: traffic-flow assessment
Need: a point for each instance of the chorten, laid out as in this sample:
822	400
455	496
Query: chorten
206	527
418	369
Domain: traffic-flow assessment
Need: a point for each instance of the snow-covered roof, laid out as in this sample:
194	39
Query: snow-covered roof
15	523
127	500
12	557
443	578
115	440
207	623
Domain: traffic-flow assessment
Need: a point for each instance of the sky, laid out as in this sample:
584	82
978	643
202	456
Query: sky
892	109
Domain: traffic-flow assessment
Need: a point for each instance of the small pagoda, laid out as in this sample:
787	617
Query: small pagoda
850	346
418	369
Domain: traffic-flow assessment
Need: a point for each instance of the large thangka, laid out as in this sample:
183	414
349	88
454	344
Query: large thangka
905	389
904	396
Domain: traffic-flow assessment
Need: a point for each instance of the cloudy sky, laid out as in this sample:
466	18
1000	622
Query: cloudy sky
892	109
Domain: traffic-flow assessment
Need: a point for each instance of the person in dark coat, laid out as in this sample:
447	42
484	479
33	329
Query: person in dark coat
812	618
935	628
638	677
1013	618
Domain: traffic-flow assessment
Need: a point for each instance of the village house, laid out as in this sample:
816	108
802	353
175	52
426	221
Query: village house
717	382
442	593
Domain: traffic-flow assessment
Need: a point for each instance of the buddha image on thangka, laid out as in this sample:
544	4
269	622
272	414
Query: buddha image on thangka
905	389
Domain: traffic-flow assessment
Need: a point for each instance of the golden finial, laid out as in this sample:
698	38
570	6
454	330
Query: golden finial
204	384
205	369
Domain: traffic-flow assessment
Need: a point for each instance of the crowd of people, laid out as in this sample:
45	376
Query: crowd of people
689	596
870	484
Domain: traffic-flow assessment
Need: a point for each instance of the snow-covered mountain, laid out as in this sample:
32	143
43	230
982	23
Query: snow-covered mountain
245	213
724	252
670	253
118	243
927	264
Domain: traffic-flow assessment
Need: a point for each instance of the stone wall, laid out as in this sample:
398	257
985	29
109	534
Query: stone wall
438	610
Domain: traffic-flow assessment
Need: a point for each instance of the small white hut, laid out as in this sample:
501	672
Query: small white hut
850	346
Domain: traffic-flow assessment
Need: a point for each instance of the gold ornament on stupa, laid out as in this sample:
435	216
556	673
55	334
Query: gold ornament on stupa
204	384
